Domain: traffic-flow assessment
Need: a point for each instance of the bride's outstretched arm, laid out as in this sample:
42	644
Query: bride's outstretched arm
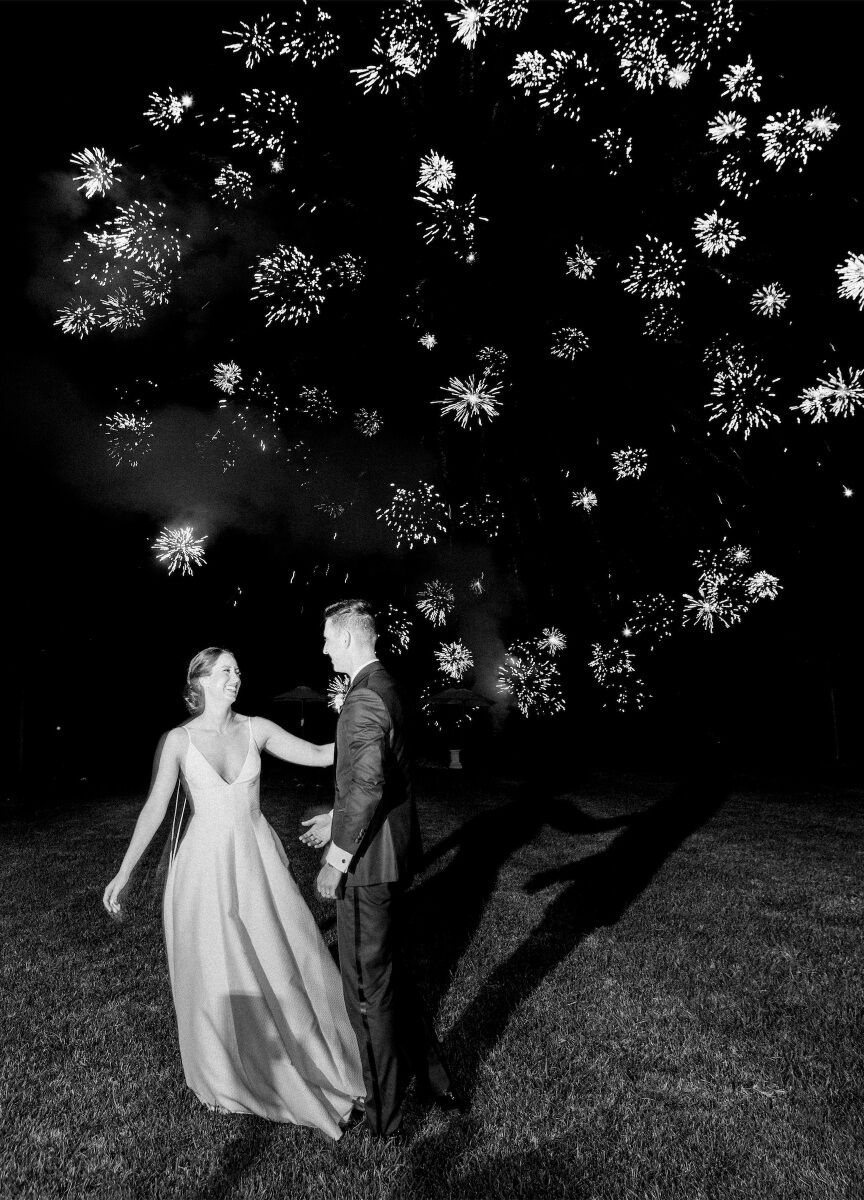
151	815
282	744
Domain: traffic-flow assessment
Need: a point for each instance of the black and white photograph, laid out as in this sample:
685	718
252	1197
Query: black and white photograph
435	465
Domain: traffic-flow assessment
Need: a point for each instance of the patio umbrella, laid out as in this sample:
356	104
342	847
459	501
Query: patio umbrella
301	695
463	698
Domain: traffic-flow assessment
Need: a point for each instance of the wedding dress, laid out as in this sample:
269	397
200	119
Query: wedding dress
260	1013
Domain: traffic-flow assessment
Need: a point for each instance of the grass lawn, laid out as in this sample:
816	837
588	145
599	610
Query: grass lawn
647	992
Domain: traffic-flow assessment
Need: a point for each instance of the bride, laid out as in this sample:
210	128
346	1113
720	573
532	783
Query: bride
261	1018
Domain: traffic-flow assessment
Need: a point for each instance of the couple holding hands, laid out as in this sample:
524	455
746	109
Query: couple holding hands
265	1023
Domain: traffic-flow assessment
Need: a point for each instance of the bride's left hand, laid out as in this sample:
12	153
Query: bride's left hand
317	830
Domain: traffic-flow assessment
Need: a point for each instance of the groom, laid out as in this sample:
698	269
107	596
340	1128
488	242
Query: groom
375	849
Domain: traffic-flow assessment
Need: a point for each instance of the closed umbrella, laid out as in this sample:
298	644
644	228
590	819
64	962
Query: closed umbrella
301	695
462	698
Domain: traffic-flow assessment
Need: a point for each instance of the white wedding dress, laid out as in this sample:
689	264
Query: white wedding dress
260	1013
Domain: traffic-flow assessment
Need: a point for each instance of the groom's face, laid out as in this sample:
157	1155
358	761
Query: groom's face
333	646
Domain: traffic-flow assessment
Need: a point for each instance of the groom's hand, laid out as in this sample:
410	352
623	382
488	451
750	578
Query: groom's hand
317	830
329	881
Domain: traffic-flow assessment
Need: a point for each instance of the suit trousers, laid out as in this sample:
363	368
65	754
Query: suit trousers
394	1034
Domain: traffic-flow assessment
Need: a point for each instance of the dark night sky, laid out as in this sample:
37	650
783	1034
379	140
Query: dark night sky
101	634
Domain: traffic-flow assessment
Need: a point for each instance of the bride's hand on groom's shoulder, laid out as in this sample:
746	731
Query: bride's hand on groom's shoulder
317	830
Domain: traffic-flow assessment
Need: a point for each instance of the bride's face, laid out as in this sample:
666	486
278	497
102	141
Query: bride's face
223	682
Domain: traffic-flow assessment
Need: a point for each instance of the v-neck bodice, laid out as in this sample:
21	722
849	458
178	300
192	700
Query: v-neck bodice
212	796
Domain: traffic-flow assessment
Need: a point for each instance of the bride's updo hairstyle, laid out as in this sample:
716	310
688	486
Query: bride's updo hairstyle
202	664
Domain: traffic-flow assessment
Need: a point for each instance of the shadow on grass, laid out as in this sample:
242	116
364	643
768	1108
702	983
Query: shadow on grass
445	911
238	1159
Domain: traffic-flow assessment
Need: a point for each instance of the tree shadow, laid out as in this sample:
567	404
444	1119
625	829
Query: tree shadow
601	889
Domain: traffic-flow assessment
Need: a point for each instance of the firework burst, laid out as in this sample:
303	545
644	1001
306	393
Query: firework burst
254	39
506	14
451	221
436	173
436	600
368	422
851	275
129	437
416	515
478	584
568	342
656	270
763	586
454	659
741	392
629	463
316	404
839	396
140	234
654	618
725	126
732	176
180	548
467	24
770	300
742	83
121	312
428	341
716	234
165	111
97	172
586	500
232	186
348	270
643	64
792	137
567	76
492	360
551	641
530	71
580	264
78	318
484	515
395	628
393	61
663	323
290	284
617	148
532	679
226	377
473	398
308	36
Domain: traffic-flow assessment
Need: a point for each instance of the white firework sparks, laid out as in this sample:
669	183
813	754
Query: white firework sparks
492	360
678	77
347	270
428	341
763	586
725	126
792	137
140	234
416	515
308	35
155	287
716	234
436	600
79	318
606	662
656	270
232	186
740	555
586	500
290	283
532	679
255	40
262	126
165	111
452	221
568	342
368	422
851	275
485	514
97	172
395	627
742	83
770	300
393	61
629	463
654	618
226	376
839	396
436	172
467	24
567	78
848	492
580	264
129	437
552	640
469	399
337	690
316	404
708	607
663	323
734	177
121	312
180	548
741	392
617	148
454	659
506	14
478	584
530	71
643	64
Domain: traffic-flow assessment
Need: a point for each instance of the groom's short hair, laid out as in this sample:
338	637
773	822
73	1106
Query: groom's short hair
356	615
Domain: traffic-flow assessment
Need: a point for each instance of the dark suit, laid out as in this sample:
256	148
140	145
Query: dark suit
375	820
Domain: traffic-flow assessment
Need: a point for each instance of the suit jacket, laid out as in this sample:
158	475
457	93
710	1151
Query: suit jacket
374	817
